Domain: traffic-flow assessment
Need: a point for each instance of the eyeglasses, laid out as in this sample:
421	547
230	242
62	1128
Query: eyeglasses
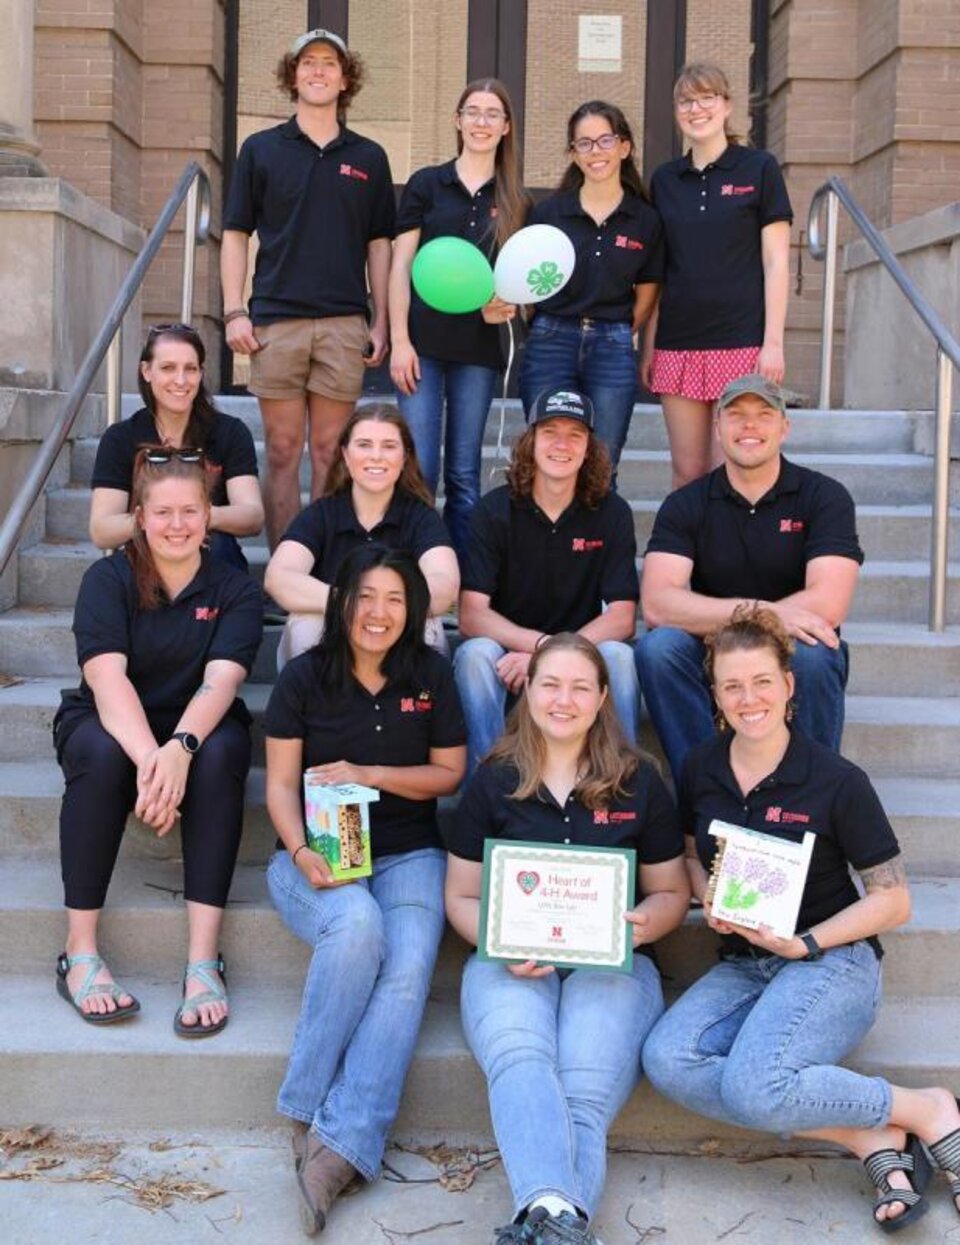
606	142
491	115
707	102
165	454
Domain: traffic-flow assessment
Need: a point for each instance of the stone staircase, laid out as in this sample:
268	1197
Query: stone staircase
903	726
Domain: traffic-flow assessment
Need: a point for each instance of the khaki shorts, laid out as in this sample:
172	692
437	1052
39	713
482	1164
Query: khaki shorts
317	356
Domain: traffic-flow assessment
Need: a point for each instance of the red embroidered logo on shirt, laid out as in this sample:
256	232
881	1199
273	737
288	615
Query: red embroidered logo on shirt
422	703
600	817
348	170
804	818
629	244
774	814
729	189
791	525
206	613
582	545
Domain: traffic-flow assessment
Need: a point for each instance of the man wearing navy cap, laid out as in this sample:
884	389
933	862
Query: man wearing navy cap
320	199
551	550
758	528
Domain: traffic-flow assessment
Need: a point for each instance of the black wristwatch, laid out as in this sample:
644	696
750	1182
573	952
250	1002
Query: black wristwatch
814	950
187	740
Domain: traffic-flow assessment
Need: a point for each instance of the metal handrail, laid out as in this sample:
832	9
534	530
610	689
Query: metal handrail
194	187
830	195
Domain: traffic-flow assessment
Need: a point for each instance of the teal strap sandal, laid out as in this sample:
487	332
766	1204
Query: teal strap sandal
215	992
90	989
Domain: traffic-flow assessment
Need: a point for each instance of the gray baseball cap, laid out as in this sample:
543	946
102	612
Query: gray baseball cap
757	385
317	36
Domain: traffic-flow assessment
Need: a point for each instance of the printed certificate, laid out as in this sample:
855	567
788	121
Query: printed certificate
557	905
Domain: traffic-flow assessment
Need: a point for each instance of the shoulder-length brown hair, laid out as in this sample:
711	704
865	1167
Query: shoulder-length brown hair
411	477
354	71
615	117
608	761
704	77
145	475
748	628
509	197
593	479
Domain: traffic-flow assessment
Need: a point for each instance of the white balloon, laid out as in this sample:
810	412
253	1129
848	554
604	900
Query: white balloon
534	264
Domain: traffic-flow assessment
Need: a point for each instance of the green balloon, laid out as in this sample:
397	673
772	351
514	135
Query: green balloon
452	275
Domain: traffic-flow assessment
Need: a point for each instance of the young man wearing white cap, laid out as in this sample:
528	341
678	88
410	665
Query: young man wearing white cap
758	528
320	199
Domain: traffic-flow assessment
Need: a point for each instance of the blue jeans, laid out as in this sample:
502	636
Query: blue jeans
374	948
670	666
756	1043
484	697
469	391
561	1055
594	357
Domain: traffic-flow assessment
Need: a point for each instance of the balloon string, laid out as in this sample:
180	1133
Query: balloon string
503	404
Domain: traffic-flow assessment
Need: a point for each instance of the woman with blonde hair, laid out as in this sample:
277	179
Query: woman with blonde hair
560	1048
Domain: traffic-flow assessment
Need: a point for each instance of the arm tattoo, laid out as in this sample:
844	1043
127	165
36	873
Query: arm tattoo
888	876
202	690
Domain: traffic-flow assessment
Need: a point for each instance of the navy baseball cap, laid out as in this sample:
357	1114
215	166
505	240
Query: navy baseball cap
561	404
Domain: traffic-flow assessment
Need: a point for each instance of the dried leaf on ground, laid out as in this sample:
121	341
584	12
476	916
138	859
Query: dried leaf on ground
14	1139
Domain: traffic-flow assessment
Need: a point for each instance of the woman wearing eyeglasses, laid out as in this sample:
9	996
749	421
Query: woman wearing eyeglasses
438	360
178	411
582	337
165	636
726	216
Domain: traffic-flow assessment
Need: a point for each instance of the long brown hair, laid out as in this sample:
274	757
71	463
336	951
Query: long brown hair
608	760
699	77
630	178
411	477
202	412
593	479
139	554
510	199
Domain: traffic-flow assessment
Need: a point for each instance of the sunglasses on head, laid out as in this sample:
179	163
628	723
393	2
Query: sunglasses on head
165	454
155	330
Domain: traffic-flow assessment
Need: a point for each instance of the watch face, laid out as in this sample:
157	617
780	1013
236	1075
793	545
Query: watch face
188	741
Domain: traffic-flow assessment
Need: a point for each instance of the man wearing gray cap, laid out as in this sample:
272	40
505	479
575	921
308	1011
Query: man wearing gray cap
320	199
551	550
757	529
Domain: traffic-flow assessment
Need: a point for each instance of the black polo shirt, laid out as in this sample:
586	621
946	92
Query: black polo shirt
436	202
229	452
217	617
626	250
398	726
758	551
314	209
545	575
811	789
713	288
330	529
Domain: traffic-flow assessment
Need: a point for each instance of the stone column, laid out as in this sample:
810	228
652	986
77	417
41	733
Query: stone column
18	148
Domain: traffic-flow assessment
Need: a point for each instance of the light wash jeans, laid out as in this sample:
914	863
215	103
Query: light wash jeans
561	1055
484	697
756	1042
374	949
467	389
670	667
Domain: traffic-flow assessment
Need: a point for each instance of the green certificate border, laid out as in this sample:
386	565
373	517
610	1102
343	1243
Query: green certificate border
499	853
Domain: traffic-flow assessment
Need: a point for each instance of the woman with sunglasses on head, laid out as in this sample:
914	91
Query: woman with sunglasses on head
374	491
165	636
757	1042
561	1048
178	411
370	704
582	337
447	361
726	217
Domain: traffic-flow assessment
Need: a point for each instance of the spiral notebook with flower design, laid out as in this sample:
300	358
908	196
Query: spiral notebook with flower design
758	879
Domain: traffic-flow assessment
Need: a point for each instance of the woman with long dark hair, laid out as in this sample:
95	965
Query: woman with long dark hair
370	704
374	491
582	337
165	637
726	219
561	1049
758	1041
178	411
440	361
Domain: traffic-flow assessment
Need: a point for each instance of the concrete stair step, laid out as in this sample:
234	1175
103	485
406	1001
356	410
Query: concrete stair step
144	923
58	1068
925	813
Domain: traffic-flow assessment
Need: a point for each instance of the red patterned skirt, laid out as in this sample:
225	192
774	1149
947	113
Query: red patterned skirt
700	374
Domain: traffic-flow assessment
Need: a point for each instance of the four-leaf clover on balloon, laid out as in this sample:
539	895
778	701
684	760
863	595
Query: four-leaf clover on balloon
545	279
